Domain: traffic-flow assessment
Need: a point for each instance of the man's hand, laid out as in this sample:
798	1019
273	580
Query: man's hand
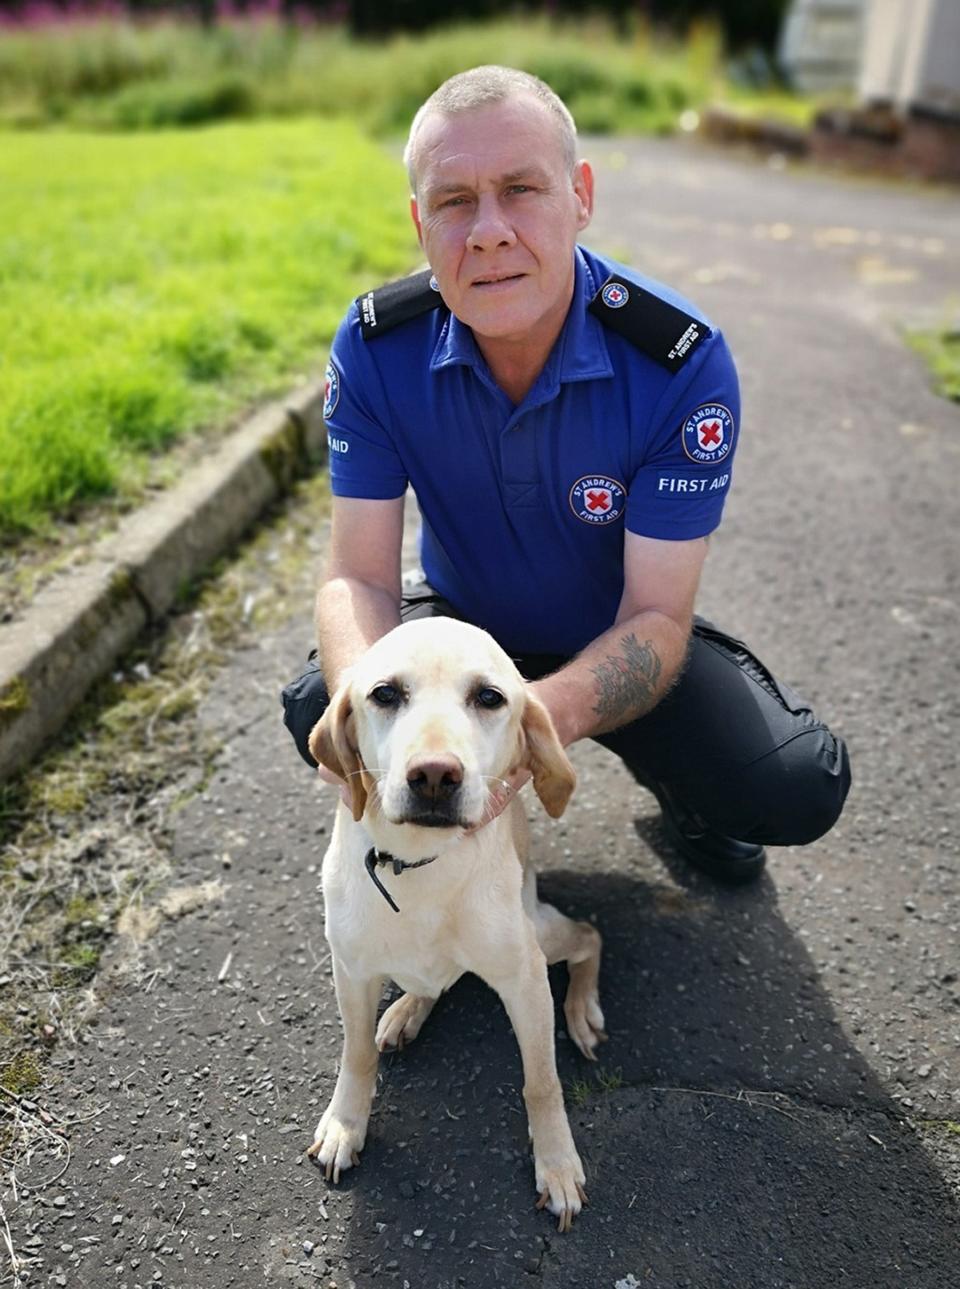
328	776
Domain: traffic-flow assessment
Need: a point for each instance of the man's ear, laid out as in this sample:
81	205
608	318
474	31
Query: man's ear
333	742
415	216
583	188
554	778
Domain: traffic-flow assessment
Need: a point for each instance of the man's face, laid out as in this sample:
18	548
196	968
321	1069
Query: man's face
497	212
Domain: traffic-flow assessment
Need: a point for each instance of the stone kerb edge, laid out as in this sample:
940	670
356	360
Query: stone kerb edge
79	625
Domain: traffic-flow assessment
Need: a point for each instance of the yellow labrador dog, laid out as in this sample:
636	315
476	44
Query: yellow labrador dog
429	720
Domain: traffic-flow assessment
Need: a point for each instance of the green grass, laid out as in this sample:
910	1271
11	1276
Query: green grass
941	352
157	283
123	76
580	1090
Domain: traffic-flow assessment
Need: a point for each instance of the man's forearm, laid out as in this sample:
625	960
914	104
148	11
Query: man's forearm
350	615
618	678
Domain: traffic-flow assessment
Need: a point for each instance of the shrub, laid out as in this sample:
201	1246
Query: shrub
152	105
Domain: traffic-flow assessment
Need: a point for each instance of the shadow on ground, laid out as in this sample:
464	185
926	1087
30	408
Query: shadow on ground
734	1136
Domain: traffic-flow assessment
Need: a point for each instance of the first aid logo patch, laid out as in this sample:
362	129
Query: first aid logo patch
331	390
614	295
597	500
707	434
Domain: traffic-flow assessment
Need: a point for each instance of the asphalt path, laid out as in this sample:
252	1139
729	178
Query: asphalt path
779	1096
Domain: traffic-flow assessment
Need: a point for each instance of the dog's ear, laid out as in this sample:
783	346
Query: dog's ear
554	778
333	743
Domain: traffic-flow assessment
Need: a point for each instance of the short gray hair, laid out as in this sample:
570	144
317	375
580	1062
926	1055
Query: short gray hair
483	87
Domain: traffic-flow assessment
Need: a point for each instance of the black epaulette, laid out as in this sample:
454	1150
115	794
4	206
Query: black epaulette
388	306
661	330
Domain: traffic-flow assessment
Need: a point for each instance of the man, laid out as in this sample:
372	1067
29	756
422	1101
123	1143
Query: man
569	430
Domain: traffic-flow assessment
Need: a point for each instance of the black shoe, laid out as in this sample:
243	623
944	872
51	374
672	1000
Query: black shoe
723	858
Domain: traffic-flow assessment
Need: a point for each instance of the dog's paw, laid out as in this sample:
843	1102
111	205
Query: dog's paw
585	1021
337	1144
402	1020
560	1188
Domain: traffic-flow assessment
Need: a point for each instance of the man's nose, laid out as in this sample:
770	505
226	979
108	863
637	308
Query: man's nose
491	228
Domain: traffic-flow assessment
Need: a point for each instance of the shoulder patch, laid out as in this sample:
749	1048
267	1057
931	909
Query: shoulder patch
664	332
388	306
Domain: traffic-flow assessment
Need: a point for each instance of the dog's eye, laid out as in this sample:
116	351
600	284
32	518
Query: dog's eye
488	697
385	695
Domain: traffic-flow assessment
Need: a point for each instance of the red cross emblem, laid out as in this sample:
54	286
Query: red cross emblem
614	295
597	499
710	433
331	389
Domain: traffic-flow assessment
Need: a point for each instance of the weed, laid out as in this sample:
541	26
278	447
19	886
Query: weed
609	1080
22	1074
578	1092
940	350
948	1126
14	699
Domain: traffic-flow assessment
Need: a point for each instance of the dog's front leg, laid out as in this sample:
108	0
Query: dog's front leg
343	1129
559	1172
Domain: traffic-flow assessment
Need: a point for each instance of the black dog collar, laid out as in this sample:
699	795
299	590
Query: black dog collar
375	857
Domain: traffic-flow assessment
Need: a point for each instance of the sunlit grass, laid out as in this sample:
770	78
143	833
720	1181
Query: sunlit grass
154	283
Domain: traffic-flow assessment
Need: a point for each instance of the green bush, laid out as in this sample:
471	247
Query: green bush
122	76
152	105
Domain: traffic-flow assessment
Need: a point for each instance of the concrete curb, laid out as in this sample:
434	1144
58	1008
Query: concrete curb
79	624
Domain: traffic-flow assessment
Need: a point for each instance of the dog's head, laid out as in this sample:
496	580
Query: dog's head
428	721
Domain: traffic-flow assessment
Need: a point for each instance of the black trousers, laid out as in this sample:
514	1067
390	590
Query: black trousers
730	742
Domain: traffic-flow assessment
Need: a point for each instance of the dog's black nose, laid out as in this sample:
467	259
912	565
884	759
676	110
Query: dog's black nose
435	779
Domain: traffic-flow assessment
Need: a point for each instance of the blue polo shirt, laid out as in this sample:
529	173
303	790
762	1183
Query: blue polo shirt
523	507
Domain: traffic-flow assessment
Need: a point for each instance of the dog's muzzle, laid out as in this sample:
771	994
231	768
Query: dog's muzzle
434	789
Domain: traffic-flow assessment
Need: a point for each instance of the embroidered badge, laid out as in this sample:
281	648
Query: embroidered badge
331	390
614	295
597	500
707	434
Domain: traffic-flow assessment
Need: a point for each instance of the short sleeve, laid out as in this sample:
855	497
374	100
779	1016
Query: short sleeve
684	475
364	461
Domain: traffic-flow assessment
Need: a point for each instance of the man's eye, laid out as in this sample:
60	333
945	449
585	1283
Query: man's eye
488	697
385	695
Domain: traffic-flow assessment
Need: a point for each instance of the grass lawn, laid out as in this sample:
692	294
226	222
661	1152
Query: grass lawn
154	283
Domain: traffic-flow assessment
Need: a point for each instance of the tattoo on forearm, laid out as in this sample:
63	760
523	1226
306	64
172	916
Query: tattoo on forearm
628	682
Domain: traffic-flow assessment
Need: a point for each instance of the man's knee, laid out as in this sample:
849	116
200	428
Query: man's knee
798	791
304	702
